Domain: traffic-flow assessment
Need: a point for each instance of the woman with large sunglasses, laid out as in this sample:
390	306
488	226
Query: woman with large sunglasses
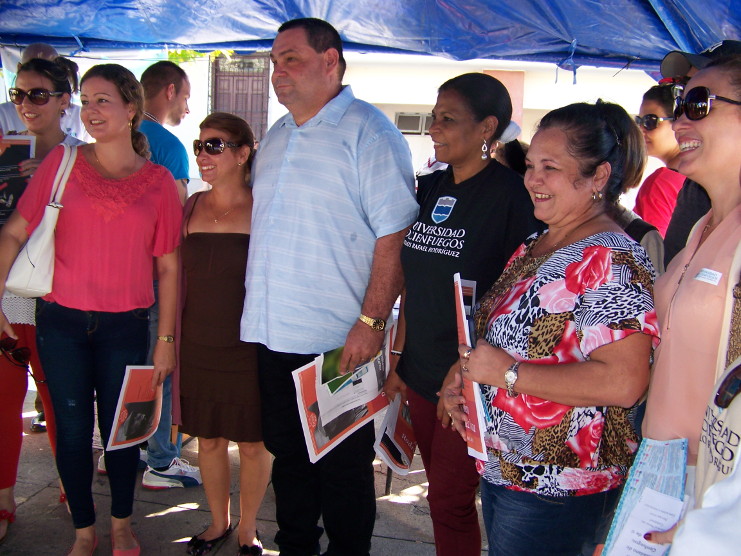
658	194
695	295
219	391
120	213
41	94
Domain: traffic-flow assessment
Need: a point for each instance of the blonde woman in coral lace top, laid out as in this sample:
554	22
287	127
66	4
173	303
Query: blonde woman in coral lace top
120	213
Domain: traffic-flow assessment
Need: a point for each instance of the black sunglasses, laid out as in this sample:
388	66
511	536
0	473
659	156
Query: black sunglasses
730	386
214	145
37	96
697	103
651	121
17	356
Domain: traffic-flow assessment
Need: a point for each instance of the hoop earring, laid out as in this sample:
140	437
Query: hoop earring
597	196
484	151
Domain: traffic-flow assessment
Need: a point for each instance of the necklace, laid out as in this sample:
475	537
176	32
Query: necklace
556	246
216	218
152	117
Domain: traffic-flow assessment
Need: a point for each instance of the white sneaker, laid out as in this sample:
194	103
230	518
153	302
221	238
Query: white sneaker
180	474
142	461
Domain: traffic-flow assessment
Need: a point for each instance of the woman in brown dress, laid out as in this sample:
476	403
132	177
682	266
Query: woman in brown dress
218	373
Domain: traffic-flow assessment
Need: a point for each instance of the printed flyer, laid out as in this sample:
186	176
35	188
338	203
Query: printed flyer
138	409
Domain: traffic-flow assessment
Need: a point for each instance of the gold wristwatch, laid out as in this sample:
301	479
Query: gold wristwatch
510	378
375	324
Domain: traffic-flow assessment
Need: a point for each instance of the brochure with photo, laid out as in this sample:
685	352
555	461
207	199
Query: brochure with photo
138	410
471	390
13	150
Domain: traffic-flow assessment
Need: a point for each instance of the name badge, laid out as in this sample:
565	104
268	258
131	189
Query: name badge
709	276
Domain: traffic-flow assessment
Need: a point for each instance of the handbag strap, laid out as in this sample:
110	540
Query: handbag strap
63	172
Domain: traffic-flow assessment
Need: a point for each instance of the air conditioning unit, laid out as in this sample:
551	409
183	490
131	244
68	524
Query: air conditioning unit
413	123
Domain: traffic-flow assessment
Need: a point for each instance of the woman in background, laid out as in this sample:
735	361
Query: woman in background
41	94
658	195
94	322
219	391
472	216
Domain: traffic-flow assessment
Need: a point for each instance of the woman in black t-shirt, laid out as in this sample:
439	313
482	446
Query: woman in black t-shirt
472	217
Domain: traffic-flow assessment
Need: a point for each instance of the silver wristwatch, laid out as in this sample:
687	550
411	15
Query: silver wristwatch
510	378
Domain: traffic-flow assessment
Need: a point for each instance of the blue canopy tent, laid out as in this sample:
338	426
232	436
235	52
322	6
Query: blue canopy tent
567	32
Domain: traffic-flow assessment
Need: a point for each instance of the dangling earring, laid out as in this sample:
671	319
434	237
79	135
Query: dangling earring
484	151
131	125
597	196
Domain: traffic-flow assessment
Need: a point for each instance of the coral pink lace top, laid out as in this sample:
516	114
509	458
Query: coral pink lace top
107	233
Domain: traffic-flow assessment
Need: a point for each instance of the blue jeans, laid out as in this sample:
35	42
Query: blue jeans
84	355
525	524
160	449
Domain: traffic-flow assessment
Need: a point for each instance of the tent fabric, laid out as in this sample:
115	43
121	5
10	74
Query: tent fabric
567	32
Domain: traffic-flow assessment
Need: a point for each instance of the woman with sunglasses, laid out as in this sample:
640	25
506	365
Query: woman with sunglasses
41	94
658	194
121	213
695	295
219	391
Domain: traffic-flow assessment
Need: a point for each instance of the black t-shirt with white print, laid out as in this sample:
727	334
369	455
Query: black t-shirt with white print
473	228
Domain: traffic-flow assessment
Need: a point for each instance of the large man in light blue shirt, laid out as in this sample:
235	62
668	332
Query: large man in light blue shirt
333	197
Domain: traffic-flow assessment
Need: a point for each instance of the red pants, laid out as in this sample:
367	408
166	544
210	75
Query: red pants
452	478
13	386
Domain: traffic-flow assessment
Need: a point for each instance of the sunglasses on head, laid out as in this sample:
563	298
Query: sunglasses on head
697	103
37	96
17	356
730	386
651	121
214	145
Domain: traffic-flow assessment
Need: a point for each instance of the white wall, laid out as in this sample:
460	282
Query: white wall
400	83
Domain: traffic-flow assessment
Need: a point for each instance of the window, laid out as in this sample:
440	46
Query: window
413	123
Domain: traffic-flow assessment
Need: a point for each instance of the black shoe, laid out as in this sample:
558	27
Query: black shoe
38	423
197	547
254	550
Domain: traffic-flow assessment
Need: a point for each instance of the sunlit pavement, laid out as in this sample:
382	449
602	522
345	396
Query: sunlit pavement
164	520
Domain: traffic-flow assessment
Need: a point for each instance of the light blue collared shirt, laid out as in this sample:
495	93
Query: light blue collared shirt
323	193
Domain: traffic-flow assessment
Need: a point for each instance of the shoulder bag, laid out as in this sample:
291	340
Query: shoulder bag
32	272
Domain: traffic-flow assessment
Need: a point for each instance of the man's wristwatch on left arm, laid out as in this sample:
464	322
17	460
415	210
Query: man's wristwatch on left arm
375	324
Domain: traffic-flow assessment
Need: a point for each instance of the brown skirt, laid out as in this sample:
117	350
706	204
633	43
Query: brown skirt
219	392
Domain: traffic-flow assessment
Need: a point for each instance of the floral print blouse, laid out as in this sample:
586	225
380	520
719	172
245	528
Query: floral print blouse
558	308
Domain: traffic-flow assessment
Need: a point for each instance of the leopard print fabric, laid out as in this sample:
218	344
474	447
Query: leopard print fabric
558	308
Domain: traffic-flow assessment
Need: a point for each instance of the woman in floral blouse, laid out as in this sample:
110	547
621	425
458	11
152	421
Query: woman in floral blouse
565	337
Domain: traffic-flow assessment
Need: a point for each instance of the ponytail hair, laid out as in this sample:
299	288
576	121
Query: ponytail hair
598	133
131	93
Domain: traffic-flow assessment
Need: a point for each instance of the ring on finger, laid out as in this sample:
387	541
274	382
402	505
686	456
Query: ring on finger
467	354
